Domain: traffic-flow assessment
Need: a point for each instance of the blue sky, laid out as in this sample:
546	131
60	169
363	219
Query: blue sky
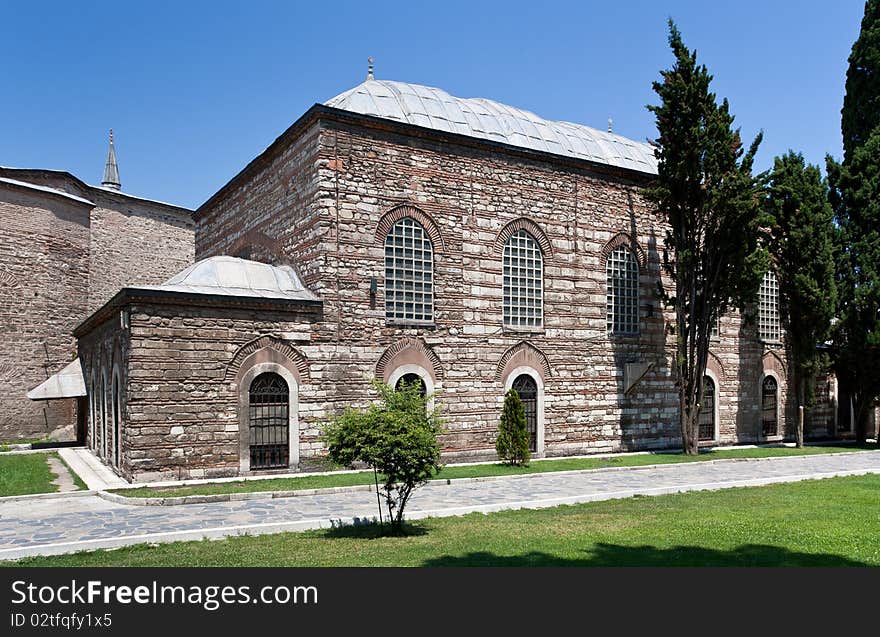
195	90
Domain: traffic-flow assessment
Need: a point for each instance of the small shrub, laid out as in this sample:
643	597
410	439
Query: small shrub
512	443
397	437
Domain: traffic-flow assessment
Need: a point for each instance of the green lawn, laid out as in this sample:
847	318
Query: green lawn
26	473
834	522
472	471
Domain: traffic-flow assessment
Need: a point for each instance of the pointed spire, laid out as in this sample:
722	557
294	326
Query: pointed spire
610	122
111	170
370	68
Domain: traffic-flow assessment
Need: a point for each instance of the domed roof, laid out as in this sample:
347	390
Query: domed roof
476	117
231	276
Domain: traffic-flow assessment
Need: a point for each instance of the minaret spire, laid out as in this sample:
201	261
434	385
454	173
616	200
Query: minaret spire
111	170
370	68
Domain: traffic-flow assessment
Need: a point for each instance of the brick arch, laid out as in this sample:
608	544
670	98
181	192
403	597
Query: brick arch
8	282
529	226
624	239
407	210
772	361
268	342
714	364
523	354
408	351
256	245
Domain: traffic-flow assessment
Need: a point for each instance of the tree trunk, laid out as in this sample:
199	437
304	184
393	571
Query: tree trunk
690	438
799	388
861	418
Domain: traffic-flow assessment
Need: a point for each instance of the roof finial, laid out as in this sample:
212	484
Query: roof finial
111	170
370	68
609	125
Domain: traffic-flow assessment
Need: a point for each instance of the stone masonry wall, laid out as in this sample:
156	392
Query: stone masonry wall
135	243
469	195
44	270
183	415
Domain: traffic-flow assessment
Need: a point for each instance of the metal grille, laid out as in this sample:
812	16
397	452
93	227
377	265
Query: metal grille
410	379
715	329
707	411
768	406
623	292
523	285
768	308
268	414
409	272
525	386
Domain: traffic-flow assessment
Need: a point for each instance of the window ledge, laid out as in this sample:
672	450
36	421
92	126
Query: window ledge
511	329
411	324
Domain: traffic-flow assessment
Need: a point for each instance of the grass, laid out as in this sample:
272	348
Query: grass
25	474
833	522
473	471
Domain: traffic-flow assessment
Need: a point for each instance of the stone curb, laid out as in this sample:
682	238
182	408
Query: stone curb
47	496
268	495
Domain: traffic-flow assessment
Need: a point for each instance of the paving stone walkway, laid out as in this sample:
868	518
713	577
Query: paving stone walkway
73	523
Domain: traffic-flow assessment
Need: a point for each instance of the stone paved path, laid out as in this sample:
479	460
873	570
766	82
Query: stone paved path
72	523
63	480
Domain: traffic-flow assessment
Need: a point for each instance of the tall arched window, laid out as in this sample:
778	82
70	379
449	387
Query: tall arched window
412	379
622	272
768	308
269	422
409	273
523	287
707	410
769	402
116	417
527	389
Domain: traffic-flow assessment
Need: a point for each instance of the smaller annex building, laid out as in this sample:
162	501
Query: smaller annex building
183	352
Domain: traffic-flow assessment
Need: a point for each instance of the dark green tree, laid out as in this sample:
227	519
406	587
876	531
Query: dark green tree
855	196
861	104
512	443
709	199
802	240
397	436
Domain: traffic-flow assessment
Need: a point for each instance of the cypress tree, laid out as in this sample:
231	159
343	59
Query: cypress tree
512	443
802	245
709	200
861	104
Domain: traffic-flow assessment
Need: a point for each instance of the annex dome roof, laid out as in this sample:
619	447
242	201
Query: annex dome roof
231	276
476	117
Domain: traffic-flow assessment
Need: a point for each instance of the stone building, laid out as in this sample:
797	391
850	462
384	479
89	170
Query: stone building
398	232
65	248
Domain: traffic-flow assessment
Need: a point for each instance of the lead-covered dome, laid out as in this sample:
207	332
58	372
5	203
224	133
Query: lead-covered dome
476	117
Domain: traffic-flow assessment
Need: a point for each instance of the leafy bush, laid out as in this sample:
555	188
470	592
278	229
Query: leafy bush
512	443
397	436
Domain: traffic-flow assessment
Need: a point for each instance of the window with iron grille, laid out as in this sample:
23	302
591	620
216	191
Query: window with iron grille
769	390
268	416
409	274
523	287
527	388
706	420
768	308
715	329
623	292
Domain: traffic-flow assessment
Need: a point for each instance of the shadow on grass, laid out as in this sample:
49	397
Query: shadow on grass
368	529
617	555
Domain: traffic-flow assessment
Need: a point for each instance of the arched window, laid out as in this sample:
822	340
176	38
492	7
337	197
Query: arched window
116	418
269	422
523	287
622	272
409	273
103	399
707	410
769	402
768	308
410	379
527	389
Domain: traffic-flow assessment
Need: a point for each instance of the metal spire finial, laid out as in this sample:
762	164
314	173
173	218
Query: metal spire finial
111	170
370	68
609	125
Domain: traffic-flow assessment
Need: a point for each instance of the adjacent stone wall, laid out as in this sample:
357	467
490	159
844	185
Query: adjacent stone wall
44	277
134	242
